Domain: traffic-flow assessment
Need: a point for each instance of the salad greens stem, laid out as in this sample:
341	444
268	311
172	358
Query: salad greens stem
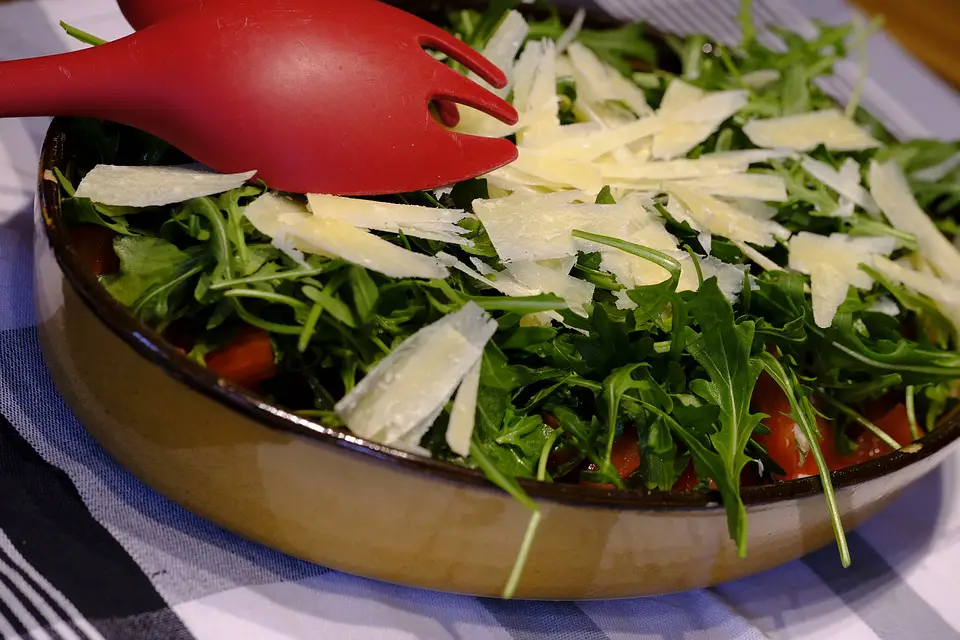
309	327
266	295
293	274
860	419
912	414
82	36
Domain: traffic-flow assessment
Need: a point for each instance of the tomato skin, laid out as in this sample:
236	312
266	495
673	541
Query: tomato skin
94	247
781	442
247	361
625	457
688	480
894	422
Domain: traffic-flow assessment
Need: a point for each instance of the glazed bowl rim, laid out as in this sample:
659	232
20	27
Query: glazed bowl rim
150	345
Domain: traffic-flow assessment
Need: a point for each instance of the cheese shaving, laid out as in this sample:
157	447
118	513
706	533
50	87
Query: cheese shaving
420	222
890	190
155	186
724	219
805	131
408	389
833	264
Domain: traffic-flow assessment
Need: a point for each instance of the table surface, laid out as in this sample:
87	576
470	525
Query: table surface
88	552
930	29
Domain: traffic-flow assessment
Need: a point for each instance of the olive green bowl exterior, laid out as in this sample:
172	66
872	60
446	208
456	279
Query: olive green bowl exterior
326	497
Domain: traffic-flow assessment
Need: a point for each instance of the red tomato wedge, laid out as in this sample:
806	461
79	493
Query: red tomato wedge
625	457
94	248
247	361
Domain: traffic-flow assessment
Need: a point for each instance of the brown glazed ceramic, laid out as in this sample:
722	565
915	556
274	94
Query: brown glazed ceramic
354	506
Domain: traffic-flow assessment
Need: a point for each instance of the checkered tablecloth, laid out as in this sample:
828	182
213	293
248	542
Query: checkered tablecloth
88	551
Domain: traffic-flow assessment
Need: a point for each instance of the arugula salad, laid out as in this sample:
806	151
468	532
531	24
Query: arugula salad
700	273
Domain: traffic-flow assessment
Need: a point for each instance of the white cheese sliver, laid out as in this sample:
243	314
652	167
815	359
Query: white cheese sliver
724	219
504	282
691	116
573	30
502	49
599	83
760	78
265	213
553	170
339	239
155	186
833	263
678	95
544	278
929	285
805	131
463	416
890	190
520	232
407	390
591	145
420	222
756	186
845	182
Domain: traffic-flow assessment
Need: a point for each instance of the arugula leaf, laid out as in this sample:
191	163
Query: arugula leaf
723	349
804	415
144	263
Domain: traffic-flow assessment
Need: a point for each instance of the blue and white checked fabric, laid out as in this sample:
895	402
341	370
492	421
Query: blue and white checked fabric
201	582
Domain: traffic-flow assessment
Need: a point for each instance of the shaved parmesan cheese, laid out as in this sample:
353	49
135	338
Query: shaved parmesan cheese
691	116
833	264
760	78
679	95
504	282
292	227
408	389
805	131
535	90
755	186
336	238
568	36
729	276
929	285
938	172
544	167
593	144
419	222
463	416
724	219
265	213
544	278
599	83
155	186
763	261
521	231
845	182
502	49
889	188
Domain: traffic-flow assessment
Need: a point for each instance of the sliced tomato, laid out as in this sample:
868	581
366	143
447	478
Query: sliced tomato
94	246
781	442
625	457
688	480
894	422
247	361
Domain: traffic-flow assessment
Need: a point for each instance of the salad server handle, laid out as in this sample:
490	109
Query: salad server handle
100	82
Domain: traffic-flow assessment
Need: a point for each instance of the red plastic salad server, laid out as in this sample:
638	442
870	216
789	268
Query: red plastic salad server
144	13
318	97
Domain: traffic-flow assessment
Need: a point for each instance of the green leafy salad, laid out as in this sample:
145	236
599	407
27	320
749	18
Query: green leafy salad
700	273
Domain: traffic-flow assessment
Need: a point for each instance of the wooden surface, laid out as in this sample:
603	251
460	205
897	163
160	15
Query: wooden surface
929	29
